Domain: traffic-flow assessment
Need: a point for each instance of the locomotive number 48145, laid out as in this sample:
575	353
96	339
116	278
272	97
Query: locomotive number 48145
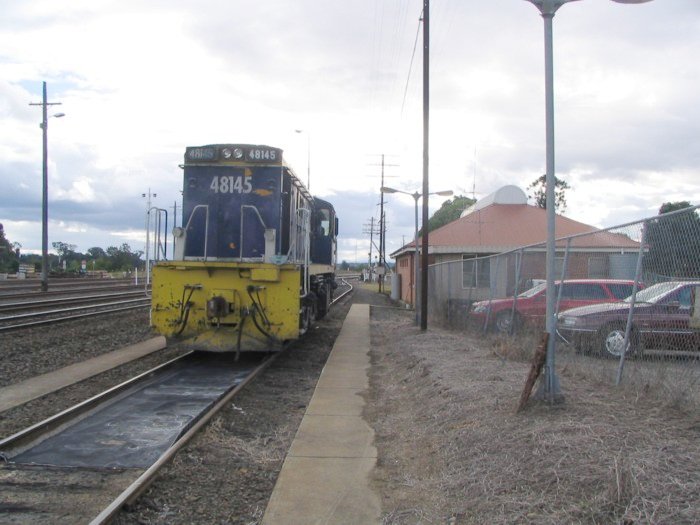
231	184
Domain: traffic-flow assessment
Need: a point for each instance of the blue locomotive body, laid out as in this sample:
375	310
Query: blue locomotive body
255	258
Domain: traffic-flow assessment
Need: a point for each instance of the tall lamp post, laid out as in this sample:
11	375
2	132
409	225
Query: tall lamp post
148	233
416	196
547	8
45	187
308	157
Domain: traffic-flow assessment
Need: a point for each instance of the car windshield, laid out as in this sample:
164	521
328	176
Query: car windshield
533	291
653	293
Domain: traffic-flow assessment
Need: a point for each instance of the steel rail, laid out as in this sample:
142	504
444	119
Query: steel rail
133	491
350	289
70	309
63	284
84	299
70	317
10	295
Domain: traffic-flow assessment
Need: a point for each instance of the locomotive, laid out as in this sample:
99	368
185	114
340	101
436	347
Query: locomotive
254	260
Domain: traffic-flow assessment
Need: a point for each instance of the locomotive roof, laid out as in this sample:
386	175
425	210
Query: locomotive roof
295	179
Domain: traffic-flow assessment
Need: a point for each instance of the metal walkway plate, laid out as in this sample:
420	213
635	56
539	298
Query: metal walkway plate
134	429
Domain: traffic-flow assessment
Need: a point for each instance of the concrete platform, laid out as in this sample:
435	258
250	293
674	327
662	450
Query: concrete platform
24	391
325	477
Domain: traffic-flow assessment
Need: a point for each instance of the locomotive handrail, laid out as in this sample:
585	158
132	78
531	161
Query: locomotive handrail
206	227
257	213
302	254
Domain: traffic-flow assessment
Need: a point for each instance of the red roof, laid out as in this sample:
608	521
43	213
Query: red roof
501	227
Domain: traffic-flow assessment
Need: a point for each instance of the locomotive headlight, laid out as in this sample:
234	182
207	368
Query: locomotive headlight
237	153
178	232
227	153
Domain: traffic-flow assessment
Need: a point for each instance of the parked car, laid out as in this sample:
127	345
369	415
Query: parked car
508	314
660	320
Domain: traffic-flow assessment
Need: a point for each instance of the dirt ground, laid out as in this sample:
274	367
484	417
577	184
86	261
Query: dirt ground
452	448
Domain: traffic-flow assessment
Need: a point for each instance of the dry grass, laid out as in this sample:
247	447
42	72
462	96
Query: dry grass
453	450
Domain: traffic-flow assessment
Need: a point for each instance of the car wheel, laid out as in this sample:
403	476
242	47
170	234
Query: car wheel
506	323
612	337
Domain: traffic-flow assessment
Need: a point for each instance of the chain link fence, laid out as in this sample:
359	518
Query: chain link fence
628	301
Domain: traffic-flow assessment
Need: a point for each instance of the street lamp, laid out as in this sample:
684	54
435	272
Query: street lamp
547	9
44	125
308	157
416	196
148	233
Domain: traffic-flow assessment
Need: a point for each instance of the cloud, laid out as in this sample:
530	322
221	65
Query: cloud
141	81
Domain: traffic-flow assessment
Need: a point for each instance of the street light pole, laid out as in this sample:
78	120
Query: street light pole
416	255
416	196
45	187
548	8
148	233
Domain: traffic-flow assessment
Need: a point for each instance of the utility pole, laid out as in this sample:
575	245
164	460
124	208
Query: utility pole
426	143
382	227
371	230
45	189
380	277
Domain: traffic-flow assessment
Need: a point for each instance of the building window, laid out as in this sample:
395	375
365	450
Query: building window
476	271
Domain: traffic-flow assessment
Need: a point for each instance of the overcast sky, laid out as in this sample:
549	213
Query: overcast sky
139	81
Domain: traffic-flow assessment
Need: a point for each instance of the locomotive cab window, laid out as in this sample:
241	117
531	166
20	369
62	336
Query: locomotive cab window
324	223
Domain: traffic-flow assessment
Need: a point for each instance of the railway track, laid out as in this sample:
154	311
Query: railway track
85	463
343	289
53	475
41	303
34	319
24	305
22	294
34	285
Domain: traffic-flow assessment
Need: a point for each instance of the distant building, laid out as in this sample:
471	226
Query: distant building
503	221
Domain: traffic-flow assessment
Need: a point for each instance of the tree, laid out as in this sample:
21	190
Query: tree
122	258
64	250
96	253
450	211
673	243
9	262
539	189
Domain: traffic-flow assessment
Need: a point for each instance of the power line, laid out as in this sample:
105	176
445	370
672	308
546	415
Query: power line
410	66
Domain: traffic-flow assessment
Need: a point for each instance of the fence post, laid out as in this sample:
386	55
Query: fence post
633	299
491	286
518	264
563	276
